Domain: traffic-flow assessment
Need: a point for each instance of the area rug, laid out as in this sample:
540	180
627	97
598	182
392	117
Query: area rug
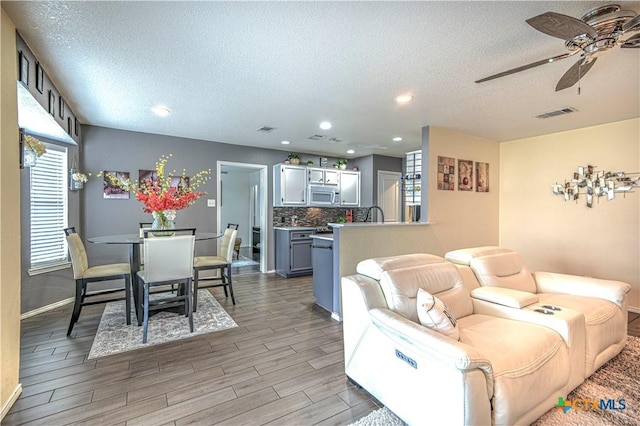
243	261
115	336
618	379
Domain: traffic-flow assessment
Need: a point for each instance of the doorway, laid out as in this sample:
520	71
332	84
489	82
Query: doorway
389	195
242	199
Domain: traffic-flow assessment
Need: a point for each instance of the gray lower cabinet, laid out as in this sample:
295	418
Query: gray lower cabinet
293	251
322	259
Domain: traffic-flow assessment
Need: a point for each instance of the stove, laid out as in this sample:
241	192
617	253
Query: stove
324	230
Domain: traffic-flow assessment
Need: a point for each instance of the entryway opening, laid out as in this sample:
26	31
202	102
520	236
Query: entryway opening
242	200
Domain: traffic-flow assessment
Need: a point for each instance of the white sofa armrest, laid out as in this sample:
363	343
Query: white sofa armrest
448	352
505	296
551	282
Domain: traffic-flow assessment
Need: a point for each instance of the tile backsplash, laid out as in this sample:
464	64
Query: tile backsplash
314	216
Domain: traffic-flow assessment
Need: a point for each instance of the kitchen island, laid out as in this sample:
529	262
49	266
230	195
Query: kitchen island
324	288
354	242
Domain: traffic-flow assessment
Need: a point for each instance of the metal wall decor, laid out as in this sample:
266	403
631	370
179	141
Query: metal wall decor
592	183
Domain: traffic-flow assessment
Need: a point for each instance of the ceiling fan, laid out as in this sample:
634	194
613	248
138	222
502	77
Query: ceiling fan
597	32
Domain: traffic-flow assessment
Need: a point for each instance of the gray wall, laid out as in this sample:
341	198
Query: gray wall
369	167
119	150
236	192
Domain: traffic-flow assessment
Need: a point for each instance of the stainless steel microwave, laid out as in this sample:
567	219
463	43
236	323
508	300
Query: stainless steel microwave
320	195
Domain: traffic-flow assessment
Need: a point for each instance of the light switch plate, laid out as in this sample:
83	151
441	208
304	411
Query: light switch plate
211	202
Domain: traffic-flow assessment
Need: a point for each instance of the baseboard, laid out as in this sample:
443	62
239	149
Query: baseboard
14	397
47	308
634	310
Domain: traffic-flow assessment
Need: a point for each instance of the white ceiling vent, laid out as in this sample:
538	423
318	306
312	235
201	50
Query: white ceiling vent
563	111
316	137
265	129
369	146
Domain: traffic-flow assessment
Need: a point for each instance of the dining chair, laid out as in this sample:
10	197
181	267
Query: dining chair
168	260
221	262
143	226
236	245
85	274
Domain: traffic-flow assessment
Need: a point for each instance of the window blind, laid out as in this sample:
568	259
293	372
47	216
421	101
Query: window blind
49	210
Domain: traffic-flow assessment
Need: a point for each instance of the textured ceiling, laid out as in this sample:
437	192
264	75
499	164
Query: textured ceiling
227	68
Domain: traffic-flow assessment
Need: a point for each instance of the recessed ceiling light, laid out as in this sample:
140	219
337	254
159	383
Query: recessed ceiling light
350	151
285	142
403	99
325	125
397	139
161	110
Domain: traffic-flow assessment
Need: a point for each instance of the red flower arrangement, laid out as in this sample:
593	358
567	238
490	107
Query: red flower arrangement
158	195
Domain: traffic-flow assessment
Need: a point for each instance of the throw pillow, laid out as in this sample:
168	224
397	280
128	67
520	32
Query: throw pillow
435	314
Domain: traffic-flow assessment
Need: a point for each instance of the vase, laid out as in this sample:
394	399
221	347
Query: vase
163	223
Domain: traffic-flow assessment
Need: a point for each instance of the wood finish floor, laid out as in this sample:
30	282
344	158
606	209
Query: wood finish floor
282	365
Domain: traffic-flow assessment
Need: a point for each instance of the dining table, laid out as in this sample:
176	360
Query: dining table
134	242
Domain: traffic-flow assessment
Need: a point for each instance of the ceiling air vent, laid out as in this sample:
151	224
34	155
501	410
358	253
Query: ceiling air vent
265	129
563	111
316	137
335	140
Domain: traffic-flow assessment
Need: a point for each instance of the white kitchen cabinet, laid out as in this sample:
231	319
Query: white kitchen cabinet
290	185
317	176
349	188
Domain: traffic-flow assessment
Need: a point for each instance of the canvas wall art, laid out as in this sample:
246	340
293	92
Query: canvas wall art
482	177
446	173
465	175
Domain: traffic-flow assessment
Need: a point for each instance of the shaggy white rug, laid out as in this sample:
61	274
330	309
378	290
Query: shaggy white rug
617	379
115	336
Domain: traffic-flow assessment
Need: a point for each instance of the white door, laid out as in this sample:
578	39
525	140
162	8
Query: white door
389	196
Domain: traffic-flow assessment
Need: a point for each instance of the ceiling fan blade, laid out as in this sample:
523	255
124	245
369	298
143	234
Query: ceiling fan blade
633	42
575	73
632	24
561	26
526	67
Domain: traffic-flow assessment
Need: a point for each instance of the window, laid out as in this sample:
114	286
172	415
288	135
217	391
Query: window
49	211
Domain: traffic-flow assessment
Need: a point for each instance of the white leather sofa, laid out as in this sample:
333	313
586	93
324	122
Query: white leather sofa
502	277
506	368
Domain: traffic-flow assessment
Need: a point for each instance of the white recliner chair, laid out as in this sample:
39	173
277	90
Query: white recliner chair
504	277
500	371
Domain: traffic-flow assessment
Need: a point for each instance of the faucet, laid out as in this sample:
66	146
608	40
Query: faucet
366	218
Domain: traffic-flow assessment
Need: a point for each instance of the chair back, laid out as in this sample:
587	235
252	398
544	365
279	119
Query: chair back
168	258
143	226
228	241
233	225
78	255
401	277
148	232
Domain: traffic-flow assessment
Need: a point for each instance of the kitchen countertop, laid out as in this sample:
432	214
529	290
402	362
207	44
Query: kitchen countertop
295	228
365	224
